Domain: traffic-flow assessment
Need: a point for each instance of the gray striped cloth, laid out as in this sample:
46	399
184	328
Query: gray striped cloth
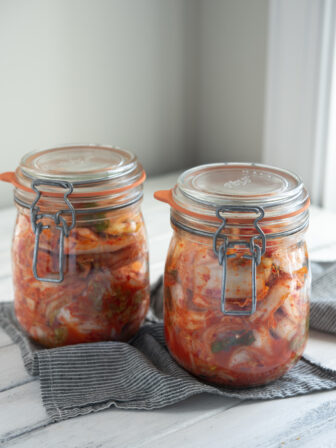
77	380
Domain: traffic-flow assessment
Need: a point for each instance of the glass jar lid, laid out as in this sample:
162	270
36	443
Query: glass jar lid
200	191
92	170
78	164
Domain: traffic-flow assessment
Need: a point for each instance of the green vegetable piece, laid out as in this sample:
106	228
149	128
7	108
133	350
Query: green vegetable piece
98	223
216	346
91	204
173	273
246	339
61	334
226	343
101	226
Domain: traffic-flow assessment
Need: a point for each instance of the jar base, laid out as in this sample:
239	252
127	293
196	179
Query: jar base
247	381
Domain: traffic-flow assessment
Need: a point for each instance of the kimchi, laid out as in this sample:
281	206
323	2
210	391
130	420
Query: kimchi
235	350
105	292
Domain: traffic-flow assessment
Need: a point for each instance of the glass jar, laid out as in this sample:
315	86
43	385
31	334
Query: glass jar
79	253
237	279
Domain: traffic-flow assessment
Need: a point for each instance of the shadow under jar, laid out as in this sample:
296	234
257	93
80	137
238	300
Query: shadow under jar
237	279
79	253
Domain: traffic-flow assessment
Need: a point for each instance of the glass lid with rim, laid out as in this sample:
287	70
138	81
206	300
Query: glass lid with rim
78	164
201	190
89	168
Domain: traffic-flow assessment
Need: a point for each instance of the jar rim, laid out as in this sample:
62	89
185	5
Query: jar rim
167	197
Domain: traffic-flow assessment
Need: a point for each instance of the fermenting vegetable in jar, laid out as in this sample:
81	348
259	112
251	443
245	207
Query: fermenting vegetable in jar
237	279
79	252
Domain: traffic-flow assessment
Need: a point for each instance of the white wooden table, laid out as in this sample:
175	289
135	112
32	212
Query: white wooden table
203	421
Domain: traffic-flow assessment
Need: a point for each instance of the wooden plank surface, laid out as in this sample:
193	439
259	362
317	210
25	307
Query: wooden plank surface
12	372
201	421
275	423
124	429
4	339
21	412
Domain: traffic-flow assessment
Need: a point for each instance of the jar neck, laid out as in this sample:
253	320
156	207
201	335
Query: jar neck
85	215
238	227
93	203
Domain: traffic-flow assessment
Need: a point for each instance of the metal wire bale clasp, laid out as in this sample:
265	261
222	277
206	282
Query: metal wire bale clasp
60	224
255	254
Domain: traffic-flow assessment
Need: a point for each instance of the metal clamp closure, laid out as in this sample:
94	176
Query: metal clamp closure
60	224
255	254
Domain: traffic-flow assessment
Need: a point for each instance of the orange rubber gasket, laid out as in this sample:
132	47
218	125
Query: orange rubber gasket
11	178
167	197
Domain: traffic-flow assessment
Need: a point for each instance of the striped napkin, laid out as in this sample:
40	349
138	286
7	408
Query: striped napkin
80	379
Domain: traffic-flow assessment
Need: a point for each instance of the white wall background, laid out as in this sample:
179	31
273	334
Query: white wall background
232	79
300	110
177	81
298	88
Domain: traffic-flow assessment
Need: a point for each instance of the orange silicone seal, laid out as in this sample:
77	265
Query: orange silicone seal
11	178
167	197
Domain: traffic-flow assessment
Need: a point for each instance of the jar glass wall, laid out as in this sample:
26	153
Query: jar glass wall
236	350
105	291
